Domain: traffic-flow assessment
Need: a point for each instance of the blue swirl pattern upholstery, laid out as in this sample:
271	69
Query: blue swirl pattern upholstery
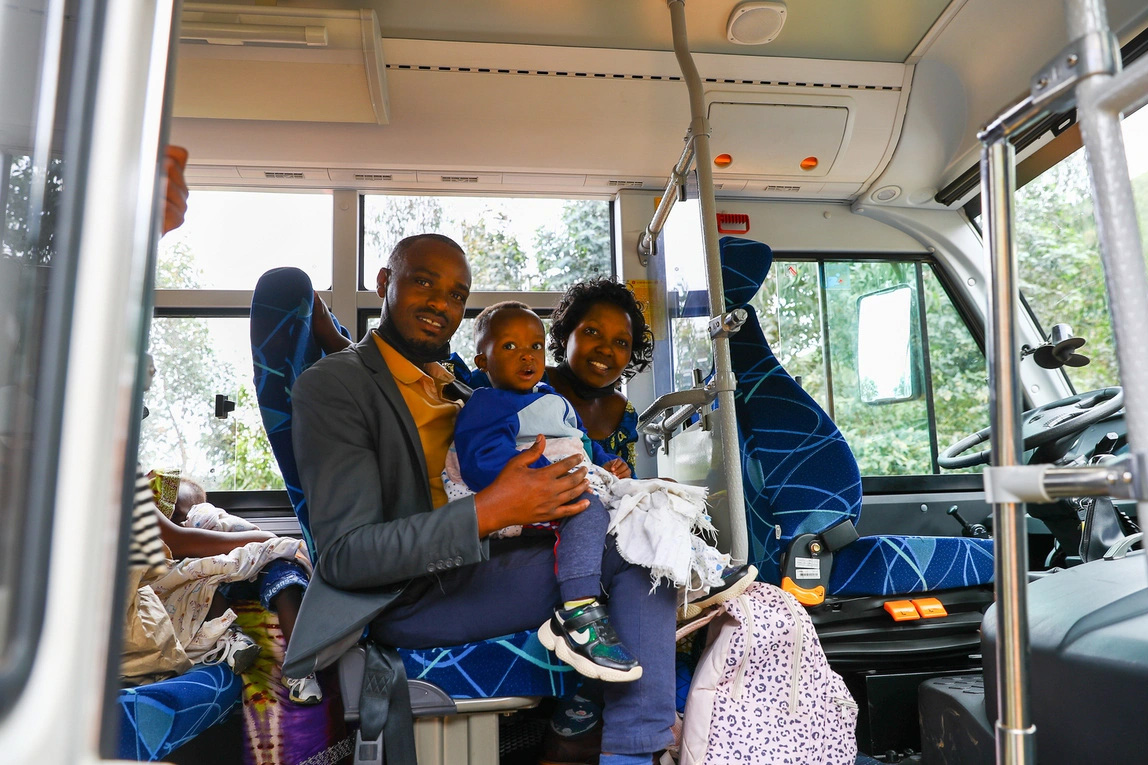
800	476
160	717
281	348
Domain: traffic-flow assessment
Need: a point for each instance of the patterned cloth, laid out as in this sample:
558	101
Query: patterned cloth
275	730
622	441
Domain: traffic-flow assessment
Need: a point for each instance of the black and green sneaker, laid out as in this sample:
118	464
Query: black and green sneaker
583	638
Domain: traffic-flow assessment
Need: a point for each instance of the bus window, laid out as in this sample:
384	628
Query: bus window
1058	255
519	244
230	238
196	359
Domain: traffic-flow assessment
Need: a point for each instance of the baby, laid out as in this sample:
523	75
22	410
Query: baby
496	424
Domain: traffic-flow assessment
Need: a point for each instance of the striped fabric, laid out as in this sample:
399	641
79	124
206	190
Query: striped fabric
146	547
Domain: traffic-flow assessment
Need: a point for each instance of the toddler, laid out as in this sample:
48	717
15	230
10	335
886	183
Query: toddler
500	421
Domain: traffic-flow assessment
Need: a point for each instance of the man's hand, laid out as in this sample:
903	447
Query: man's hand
618	468
522	495
174	187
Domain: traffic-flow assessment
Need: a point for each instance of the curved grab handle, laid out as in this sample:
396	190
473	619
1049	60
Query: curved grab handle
670	411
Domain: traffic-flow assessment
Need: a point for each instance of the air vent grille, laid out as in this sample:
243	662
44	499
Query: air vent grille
623	76
459	178
624	184
283	175
373	177
782	188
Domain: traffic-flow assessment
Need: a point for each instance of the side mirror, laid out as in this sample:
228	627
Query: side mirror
885	350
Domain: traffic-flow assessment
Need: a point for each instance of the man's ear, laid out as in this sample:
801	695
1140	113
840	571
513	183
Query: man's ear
382	280
480	361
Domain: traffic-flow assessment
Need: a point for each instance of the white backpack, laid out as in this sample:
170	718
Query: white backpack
763	692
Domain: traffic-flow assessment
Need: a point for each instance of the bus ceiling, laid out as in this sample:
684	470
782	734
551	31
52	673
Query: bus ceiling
445	96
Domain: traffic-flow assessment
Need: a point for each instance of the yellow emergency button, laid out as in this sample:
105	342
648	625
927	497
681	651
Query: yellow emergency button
930	608
901	610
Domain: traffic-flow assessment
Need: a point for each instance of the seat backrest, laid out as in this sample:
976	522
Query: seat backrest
281	348
799	474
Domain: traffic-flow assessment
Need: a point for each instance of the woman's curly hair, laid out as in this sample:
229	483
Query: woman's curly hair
580	297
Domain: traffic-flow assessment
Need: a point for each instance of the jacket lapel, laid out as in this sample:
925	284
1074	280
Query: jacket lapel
368	351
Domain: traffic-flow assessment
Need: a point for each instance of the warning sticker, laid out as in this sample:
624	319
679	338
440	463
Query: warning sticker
808	573
807	563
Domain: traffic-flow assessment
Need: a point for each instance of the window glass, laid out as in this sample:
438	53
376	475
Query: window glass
33	271
511	243
230	238
960	378
197	359
886	438
1058	254
788	307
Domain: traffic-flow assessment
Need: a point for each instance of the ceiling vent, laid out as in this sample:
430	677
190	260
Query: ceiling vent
280	176
375	177
622	183
786	189
755	23
459	178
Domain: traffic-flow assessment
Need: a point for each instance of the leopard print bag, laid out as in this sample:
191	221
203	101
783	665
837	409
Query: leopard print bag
763	691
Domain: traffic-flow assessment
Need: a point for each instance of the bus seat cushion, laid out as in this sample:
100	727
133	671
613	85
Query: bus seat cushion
160	717
891	565
512	665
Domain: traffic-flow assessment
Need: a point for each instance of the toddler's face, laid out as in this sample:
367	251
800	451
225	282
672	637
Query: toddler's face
514	354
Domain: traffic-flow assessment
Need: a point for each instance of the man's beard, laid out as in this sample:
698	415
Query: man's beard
418	353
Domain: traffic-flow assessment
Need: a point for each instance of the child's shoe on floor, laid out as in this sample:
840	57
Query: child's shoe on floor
304	690
235	649
583	638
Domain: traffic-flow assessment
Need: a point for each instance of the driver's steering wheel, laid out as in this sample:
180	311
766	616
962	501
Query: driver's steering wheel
1042	425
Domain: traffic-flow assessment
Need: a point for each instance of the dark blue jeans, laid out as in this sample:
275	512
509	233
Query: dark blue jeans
578	552
515	590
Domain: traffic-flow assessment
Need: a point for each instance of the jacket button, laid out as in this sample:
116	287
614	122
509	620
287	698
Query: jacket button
458	561
430	567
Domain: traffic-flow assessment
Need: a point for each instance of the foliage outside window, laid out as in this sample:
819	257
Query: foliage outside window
512	244
195	359
1058	253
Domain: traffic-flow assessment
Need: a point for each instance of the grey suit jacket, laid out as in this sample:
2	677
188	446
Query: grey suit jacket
363	471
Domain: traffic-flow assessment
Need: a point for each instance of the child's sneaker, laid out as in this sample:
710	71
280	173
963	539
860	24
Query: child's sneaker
234	648
583	638
734	583
304	690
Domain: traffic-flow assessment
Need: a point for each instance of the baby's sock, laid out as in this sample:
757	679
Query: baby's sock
576	603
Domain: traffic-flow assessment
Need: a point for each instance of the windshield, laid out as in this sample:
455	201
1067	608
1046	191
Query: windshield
1059	257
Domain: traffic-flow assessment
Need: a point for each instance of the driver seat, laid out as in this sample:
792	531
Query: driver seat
871	597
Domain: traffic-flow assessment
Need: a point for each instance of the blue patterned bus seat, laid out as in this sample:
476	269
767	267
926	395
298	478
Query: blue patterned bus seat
799	473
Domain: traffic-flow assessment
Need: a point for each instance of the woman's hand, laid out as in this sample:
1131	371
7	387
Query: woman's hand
174	187
618	468
522	494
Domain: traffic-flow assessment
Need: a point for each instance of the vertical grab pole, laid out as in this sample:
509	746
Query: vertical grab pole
1015	733
1120	246
724	378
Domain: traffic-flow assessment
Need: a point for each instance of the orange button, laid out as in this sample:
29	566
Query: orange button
901	610
930	608
813	597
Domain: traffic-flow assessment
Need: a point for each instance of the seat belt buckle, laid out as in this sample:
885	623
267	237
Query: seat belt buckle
368	752
805	569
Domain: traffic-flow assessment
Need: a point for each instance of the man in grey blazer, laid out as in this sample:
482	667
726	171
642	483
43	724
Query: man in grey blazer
370	428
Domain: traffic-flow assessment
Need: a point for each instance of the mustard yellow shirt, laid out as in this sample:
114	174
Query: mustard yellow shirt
434	415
